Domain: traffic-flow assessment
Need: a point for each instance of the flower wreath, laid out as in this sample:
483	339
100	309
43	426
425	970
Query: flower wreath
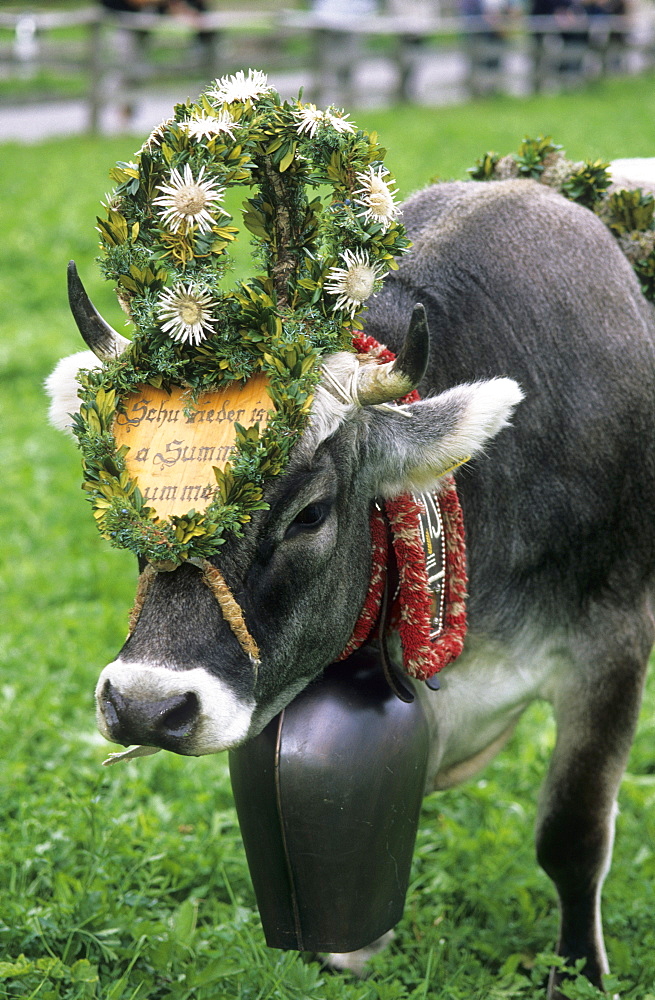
165	242
629	214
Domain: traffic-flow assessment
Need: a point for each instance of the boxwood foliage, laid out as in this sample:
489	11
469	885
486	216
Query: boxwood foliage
321	215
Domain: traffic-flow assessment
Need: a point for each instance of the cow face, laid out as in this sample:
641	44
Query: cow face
299	573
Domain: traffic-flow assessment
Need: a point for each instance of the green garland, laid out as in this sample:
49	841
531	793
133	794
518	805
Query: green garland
165	242
628	214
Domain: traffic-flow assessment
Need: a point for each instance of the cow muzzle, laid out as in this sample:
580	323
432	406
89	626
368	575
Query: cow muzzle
187	712
167	723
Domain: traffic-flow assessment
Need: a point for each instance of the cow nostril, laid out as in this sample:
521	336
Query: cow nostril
165	723
181	718
111	702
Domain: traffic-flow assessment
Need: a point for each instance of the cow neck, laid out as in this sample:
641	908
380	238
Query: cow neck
426	605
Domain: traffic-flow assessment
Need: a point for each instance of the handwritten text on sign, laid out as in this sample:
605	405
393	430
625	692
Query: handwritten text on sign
172	453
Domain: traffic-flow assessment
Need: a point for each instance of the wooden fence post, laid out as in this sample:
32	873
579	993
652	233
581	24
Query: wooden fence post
95	67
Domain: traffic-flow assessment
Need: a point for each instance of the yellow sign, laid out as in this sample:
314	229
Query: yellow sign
172	453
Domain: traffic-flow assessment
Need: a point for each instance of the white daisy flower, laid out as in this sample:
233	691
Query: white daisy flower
188	200
186	313
211	125
240	88
339	123
355	282
309	119
156	136
112	202
376	196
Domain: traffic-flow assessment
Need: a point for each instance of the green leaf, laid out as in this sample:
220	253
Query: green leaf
83	972
11	970
212	972
288	158
484	168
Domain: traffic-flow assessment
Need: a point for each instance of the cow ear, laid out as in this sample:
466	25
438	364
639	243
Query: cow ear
410	447
62	387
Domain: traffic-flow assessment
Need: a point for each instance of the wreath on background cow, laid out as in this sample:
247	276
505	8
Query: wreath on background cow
628	214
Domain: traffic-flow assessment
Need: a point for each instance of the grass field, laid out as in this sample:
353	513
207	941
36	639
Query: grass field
131	884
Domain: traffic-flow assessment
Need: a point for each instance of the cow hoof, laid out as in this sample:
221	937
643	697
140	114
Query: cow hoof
554	982
355	962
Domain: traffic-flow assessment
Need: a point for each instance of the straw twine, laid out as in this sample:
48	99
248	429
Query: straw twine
215	581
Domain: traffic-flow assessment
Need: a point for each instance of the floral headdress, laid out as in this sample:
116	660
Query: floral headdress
322	215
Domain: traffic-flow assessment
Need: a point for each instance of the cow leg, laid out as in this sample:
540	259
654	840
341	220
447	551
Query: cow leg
596	703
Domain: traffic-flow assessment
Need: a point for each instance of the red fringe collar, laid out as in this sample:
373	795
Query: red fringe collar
411	613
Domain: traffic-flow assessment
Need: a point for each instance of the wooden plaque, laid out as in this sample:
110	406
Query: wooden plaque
172	454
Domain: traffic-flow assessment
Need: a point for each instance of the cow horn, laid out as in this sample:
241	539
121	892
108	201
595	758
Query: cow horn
384	383
103	340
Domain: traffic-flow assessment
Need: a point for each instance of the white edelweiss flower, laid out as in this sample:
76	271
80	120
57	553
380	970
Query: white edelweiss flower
185	312
309	119
241	88
376	196
188	200
353	283
211	125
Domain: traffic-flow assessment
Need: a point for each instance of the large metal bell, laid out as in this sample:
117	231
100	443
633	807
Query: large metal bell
328	799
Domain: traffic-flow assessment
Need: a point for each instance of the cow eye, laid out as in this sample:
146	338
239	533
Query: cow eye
309	518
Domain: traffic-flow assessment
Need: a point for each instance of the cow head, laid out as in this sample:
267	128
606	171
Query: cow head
300	571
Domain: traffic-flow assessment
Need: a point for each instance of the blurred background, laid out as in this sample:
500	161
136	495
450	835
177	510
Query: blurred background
112	65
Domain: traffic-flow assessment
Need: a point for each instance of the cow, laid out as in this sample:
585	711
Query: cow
533	310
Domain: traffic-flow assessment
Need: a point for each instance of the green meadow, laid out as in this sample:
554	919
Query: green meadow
130	883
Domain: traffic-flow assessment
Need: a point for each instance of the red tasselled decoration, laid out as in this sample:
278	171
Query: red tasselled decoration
369	614
411	612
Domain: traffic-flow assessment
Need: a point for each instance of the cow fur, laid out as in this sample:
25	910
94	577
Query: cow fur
62	387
